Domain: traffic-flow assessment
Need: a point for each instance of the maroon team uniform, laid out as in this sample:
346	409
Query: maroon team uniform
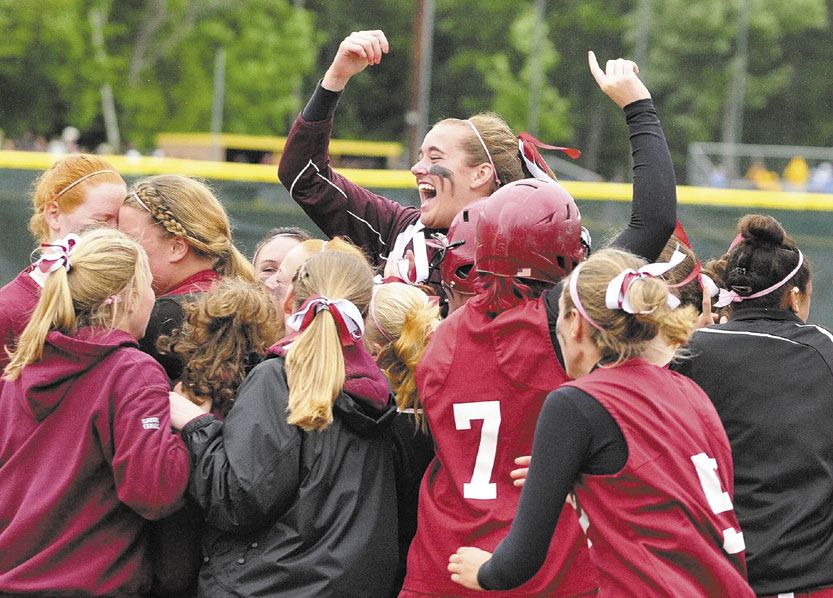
482	383
664	525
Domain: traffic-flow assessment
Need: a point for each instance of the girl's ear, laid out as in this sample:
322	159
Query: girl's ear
289	301
484	174
179	249
52	215
576	326
794	299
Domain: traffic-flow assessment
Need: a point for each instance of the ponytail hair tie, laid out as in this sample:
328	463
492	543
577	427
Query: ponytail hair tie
616	296
347	317
58	257
535	163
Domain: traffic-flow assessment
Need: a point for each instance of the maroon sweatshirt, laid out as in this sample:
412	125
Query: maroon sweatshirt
18	300
86	456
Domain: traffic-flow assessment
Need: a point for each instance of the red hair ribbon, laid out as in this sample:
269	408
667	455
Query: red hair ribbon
347	317
680	234
535	163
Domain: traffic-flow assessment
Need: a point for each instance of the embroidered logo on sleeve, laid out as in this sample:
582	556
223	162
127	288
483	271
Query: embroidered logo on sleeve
149	423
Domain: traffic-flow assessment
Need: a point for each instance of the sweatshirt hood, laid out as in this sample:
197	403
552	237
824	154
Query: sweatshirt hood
366	405
46	382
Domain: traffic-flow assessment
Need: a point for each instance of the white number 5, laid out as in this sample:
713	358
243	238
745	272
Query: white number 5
489	411
719	500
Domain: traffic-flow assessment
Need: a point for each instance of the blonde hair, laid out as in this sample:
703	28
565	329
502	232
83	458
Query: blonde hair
58	182
626	335
342	244
315	363
105	264
187	208
226	330
401	321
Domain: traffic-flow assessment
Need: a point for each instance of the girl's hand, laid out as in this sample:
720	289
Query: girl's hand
358	50
465	564
182	411
707	317
619	80
519	475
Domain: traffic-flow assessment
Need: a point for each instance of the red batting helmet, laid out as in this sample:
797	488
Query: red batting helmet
458	264
529	229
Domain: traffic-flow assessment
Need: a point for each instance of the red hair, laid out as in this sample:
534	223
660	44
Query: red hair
58	178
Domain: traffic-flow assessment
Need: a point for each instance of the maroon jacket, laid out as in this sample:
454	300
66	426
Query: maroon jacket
341	208
18	300
86	455
337	206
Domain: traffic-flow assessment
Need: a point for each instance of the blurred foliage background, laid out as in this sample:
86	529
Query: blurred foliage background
158	57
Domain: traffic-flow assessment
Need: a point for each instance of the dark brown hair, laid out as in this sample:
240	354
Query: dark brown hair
763	257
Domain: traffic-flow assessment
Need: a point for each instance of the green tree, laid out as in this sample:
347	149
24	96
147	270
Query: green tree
159	60
48	76
512	92
693	46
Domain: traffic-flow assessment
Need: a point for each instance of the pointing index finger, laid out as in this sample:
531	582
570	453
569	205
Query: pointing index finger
595	70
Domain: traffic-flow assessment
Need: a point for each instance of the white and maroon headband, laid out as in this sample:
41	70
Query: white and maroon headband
616	296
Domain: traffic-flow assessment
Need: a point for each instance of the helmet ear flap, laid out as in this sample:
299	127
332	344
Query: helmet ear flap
530	229
458	264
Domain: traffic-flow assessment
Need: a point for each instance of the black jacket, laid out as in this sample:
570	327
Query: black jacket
294	513
770	377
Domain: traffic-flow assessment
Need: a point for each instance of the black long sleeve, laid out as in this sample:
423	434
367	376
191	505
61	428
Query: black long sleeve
654	205
574	435
322	105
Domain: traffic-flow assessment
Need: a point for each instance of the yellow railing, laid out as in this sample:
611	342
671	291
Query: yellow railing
338	147
403	179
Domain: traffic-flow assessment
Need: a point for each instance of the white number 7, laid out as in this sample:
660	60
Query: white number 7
719	500
489	412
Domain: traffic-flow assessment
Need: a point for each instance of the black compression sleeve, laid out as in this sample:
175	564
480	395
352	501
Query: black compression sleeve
322	105
654	206
551	305
574	435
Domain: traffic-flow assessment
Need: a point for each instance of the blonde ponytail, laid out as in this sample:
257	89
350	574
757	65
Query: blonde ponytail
315	362
106	264
401	321
54	311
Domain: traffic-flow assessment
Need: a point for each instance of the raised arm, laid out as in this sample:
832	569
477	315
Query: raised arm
654	205
336	205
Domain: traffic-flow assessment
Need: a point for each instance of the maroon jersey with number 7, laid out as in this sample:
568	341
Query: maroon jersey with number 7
482	383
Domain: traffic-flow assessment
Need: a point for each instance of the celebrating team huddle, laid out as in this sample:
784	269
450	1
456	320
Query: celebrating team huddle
436	401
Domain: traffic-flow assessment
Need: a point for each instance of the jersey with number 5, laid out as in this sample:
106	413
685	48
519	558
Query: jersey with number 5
664	525
482	384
